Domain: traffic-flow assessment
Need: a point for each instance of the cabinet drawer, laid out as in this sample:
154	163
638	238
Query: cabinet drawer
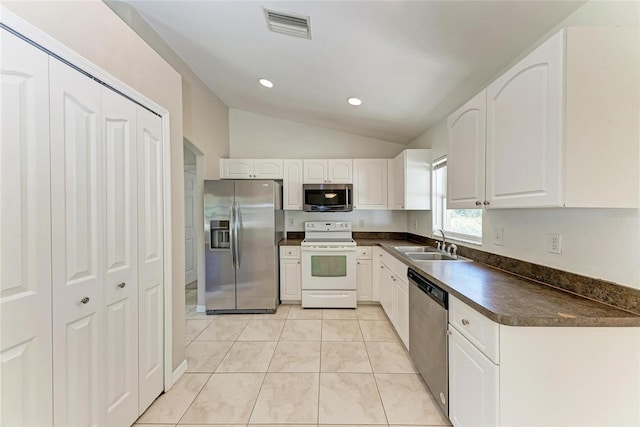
292	252
395	265
365	252
482	332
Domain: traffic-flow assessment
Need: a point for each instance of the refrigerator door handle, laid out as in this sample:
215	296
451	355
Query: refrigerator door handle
232	243
237	235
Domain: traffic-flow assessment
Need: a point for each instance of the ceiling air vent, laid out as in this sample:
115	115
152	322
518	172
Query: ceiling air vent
288	23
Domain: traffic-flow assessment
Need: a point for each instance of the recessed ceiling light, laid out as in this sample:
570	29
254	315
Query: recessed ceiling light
354	101
266	83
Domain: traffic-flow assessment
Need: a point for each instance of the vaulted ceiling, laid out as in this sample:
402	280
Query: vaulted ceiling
411	62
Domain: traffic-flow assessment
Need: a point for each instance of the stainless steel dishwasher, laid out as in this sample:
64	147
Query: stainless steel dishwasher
428	319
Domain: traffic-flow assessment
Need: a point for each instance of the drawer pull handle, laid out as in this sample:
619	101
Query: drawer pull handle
85	300
465	322
121	285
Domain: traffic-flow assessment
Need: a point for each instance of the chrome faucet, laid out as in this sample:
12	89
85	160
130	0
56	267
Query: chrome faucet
444	241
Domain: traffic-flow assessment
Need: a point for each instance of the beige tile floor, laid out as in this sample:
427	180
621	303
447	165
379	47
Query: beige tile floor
295	367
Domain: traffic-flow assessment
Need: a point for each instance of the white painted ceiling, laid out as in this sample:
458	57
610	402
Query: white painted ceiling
411	62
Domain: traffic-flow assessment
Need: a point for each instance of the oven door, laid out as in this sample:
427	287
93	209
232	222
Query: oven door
329	268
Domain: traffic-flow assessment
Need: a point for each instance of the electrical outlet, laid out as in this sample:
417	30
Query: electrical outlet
498	236
554	243
291	222
361	223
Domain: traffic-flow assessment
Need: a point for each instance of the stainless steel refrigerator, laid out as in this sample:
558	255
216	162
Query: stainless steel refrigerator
244	222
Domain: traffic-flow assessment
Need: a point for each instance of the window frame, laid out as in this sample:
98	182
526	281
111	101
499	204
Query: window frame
439	205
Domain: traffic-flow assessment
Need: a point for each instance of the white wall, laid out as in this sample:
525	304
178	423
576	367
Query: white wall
257	136
370	220
91	29
599	243
205	116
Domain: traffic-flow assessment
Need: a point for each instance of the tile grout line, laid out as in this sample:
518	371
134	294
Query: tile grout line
195	398
320	370
264	378
375	380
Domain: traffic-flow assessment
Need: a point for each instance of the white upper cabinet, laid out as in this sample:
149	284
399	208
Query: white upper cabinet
370	183
328	171
251	169
465	156
292	185
524	131
554	122
601	117
409	180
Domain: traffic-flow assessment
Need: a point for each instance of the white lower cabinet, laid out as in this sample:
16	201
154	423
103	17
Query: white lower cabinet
540	376
364	284
473	384
290	274
364	273
394	294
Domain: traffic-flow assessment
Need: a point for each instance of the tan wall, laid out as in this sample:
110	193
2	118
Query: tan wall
92	30
205	116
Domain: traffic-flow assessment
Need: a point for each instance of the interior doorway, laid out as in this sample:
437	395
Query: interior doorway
194	232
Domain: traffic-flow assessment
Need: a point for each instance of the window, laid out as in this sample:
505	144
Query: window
461	224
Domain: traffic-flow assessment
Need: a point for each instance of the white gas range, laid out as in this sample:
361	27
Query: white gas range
328	265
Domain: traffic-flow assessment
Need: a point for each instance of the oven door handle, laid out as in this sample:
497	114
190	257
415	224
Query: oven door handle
347	249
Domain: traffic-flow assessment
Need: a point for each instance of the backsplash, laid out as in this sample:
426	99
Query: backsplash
602	291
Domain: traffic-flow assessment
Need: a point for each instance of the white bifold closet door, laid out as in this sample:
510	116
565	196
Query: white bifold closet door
120	257
25	230
77	213
150	257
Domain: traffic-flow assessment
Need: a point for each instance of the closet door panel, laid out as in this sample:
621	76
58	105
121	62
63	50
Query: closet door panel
121	258
151	253
25	227
77	239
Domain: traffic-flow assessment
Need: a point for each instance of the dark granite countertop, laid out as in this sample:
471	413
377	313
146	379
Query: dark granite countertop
506	298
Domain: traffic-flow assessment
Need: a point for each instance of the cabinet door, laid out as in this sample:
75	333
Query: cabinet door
290	280
120	258
340	171
473	384
401	309
77	216
396	183
524	131
150	257
465	155
386	291
417	179
292	185
267	169
25	227
364	279
236	168
315	171
370	183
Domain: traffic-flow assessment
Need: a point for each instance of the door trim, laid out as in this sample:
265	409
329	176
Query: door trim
36	35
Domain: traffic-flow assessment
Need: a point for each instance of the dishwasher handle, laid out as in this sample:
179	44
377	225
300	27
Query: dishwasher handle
432	290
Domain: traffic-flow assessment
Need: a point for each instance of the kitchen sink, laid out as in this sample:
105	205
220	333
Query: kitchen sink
430	256
413	249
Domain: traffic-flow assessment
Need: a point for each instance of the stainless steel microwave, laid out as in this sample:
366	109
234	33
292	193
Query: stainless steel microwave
328	197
